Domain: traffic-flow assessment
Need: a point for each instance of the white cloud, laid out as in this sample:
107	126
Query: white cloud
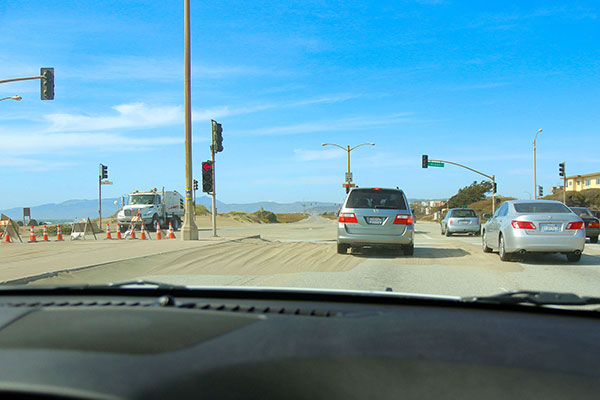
23	143
323	154
344	124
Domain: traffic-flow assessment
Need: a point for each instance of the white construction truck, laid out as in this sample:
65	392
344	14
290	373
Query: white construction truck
152	206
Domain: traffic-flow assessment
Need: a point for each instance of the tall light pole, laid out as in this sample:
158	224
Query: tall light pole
348	149
535	191
17	98
189	230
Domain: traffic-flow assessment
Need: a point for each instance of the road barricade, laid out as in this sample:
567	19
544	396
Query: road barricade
83	227
8	230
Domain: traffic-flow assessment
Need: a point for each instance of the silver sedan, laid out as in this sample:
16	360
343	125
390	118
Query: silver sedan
538	226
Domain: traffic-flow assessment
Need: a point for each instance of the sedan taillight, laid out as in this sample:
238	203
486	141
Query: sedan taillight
575	225
594	224
348	218
522	225
403	220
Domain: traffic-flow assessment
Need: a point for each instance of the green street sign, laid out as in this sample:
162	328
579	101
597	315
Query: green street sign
435	164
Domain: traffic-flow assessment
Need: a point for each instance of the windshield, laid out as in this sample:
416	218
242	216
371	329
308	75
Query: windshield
464	214
582	212
537	208
381	198
301	144
141	199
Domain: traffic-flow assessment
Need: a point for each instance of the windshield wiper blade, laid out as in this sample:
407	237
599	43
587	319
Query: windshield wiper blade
535	298
142	282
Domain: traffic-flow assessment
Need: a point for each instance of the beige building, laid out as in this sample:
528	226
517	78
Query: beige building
583	182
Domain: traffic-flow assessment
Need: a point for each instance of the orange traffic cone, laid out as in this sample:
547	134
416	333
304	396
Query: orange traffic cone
143	233
59	236
7	238
108	236
132	236
45	235
158	232
118	232
32	238
171	233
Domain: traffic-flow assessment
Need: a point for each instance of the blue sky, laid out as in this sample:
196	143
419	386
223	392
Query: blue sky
466	81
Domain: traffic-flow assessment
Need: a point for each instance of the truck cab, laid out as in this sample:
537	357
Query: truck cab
153	206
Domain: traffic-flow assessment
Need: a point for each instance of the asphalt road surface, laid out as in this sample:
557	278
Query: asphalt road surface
303	254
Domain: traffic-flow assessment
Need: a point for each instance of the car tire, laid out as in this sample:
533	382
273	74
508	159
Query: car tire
441	230
486	248
478	233
448	232
409	250
572	257
504	256
594	239
342	248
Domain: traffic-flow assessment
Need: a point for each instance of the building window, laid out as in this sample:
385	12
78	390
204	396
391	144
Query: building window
570	183
588	182
597	181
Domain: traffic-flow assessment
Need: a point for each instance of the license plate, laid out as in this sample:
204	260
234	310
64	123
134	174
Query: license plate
464	222
550	227
375	220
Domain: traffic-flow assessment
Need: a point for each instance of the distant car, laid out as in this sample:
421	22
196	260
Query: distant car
460	220
376	217
592	224
538	226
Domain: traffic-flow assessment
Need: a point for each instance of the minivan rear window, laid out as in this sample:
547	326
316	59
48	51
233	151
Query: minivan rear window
382	198
537	208
464	214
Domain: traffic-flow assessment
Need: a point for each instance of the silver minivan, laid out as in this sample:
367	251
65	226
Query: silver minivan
375	217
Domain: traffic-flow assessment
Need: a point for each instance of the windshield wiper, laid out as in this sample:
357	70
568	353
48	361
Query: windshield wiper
535	298
141	282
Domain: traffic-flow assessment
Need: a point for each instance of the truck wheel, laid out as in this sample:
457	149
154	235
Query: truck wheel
152	227
176	222
123	228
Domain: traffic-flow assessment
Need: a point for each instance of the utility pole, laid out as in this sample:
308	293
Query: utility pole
535	188
189	230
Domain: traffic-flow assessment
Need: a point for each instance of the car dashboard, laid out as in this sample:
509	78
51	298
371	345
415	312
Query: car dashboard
144	344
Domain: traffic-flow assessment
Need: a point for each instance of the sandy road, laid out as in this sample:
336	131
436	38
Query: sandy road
303	254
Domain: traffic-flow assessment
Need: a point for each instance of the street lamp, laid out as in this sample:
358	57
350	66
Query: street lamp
348	149
17	98
534	177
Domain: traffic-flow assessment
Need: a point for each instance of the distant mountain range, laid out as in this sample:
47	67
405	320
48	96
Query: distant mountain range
89	208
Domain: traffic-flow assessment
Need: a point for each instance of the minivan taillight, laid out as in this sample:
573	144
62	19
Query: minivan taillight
348	218
575	225
402	219
522	225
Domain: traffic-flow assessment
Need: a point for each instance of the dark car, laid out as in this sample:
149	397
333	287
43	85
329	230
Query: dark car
592	224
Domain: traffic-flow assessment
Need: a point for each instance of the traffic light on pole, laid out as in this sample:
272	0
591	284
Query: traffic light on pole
561	169
207	177
494	187
540	191
425	160
217	134
195	184
103	171
47	83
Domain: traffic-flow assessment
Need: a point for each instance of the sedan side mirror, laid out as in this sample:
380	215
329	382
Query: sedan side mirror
486	216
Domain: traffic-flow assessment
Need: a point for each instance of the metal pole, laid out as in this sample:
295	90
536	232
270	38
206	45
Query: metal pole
189	230
565	183
348	160
100	202
214	193
493	194
535	192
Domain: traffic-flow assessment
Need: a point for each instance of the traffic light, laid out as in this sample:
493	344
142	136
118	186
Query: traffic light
540	191
47	83
103	171
425	160
561	169
195	184
217	134
494	187
207	177
347	188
